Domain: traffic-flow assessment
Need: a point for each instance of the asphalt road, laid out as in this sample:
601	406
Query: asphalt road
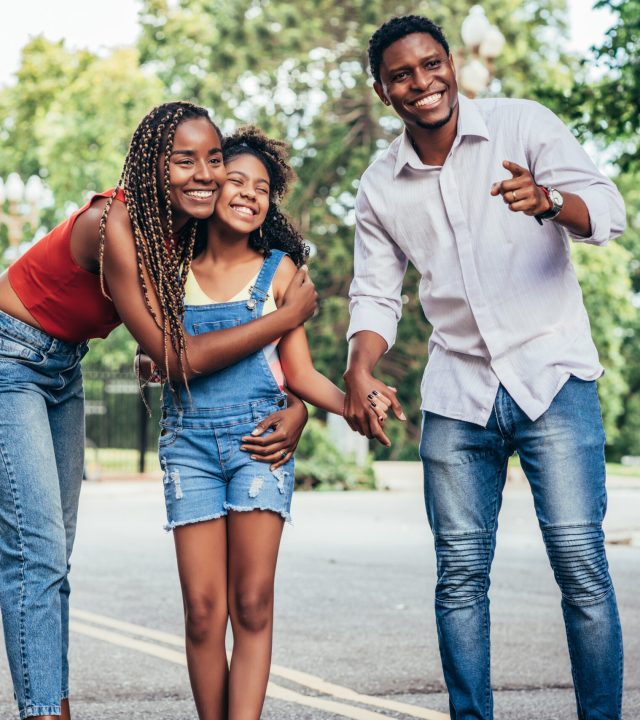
355	635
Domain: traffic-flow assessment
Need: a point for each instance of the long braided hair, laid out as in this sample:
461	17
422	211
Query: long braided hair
277	231
166	259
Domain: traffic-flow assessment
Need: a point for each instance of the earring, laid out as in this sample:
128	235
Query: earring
260	232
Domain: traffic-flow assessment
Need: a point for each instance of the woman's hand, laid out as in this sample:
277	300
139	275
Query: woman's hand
278	446
300	297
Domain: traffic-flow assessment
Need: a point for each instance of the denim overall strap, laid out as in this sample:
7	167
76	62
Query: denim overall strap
233	390
260	289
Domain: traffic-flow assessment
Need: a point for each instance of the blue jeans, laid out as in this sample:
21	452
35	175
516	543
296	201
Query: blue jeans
41	461
562	455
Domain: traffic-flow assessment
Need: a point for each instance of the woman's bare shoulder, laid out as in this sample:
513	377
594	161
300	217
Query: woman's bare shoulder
85	236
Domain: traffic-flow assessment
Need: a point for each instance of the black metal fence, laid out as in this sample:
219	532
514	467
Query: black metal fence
121	437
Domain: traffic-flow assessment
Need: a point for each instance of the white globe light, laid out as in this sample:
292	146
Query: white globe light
47	201
34	190
14	188
474	27
474	77
492	43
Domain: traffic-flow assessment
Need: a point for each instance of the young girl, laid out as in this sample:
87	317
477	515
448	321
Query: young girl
131	243
226	510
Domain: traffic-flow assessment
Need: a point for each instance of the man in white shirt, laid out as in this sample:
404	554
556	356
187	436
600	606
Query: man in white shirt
480	196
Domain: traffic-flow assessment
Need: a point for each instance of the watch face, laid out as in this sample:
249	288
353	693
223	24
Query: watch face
556	197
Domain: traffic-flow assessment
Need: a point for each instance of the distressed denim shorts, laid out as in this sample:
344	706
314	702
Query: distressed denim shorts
205	472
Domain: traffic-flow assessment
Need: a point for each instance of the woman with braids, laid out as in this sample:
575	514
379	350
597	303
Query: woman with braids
118	259
226	510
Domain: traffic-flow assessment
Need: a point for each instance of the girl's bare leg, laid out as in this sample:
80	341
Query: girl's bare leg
201	550
254	539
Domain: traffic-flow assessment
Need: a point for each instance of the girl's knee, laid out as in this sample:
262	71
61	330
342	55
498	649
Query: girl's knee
205	615
252	609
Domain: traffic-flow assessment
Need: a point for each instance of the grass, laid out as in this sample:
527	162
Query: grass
117	460
617	469
121	460
632	471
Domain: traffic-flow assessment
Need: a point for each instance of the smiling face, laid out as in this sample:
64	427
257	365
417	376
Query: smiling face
196	170
244	198
418	80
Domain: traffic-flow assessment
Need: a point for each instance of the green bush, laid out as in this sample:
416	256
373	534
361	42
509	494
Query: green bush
320	465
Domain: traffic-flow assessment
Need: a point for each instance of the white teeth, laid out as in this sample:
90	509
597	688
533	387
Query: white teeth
199	193
242	209
429	100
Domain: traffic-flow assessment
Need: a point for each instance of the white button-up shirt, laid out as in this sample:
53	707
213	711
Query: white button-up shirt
498	288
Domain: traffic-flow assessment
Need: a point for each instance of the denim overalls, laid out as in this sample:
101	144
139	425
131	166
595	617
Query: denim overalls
205	472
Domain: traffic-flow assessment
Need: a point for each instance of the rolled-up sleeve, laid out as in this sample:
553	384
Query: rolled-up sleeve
557	159
379	268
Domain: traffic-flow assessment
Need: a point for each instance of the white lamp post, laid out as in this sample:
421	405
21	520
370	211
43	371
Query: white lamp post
483	43
24	203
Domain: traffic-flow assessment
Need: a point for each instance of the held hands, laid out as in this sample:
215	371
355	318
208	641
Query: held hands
300	297
521	193
366	403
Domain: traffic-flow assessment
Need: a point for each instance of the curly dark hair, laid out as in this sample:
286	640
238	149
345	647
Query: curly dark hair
396	29
277	231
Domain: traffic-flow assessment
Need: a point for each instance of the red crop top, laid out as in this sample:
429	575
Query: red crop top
63	297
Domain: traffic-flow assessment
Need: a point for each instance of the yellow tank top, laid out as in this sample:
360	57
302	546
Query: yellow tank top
195	295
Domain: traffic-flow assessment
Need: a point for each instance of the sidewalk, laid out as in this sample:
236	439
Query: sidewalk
407	476
622	522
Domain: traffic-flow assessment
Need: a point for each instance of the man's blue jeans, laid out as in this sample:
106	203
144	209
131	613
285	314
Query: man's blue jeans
562	455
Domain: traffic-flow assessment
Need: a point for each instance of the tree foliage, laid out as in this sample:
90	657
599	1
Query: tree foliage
70	116
298	70
612	102
45	68
607	108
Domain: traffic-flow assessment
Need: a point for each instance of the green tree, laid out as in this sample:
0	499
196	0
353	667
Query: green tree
69	119
299	71
605	108
84	137
606	289
612	102
45	69
626	439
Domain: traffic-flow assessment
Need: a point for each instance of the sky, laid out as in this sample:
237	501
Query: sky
103	25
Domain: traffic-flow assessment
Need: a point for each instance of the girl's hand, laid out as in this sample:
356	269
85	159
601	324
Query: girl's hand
278	446
360	412
300	297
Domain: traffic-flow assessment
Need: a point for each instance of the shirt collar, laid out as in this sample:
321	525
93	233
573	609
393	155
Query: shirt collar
470	122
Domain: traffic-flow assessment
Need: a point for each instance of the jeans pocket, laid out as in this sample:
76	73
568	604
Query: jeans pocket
168	435
15	349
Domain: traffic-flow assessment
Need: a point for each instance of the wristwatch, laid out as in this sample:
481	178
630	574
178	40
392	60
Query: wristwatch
557	202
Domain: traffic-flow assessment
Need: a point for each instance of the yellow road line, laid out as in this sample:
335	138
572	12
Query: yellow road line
305	679
123	641
164	637
344	693
274	691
